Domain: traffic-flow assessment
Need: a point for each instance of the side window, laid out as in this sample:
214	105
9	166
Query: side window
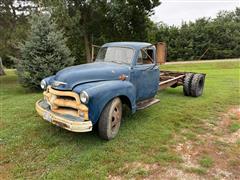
147	56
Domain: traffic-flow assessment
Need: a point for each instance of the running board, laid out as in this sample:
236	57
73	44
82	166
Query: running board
146	103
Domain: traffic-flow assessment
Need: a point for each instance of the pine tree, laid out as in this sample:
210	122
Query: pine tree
43	53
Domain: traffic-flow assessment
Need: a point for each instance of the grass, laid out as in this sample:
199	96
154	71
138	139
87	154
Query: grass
32	148
141	172
206	161
234	127
197	170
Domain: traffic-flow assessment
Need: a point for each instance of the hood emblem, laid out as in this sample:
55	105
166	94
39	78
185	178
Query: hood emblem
58	83
122	77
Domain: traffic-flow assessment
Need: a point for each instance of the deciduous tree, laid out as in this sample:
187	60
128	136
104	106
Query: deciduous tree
1	68
101	21
13	26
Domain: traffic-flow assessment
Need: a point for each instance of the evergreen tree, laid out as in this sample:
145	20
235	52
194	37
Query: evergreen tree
43	53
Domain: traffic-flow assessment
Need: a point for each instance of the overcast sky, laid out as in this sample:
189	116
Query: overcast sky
173	12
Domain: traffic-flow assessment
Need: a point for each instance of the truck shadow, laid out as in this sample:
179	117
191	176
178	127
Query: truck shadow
130	121
173	91
82	139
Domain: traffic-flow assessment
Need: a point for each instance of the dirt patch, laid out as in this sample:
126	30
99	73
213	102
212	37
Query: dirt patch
235	110
5	170
137	170
5	165
231	138
213	154
219	145
227	118
233	116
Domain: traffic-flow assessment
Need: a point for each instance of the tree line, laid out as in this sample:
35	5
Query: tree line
206	38
89	22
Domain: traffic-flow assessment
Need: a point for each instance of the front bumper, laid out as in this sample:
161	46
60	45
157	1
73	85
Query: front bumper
68	122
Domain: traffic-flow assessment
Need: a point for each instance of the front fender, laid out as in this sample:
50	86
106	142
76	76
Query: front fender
100	93
49	80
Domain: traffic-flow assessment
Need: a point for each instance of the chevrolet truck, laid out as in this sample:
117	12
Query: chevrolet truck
78	97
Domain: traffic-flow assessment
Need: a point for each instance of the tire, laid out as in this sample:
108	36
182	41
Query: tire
110	119
187	84
197	85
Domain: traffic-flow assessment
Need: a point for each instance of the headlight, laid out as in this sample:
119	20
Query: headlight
84	97
43	84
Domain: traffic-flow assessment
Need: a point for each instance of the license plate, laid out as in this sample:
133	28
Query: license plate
47	116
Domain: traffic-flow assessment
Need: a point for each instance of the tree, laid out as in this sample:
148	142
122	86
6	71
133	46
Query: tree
1	68
206	38
43	54
82	20
129	20
89	22
13	26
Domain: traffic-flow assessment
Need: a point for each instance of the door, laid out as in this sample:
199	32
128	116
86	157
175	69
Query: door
145	76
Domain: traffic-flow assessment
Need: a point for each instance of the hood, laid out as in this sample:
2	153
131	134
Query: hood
92	72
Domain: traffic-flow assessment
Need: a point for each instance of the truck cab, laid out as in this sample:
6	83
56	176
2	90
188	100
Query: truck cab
141	61
78	97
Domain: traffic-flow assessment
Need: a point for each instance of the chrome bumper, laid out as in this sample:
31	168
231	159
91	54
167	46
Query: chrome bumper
68	122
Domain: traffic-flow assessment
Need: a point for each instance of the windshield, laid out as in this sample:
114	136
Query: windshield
120	55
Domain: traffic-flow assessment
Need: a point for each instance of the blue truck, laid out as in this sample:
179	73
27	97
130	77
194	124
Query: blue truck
80	97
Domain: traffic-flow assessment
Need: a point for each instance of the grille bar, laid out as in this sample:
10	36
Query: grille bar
65	102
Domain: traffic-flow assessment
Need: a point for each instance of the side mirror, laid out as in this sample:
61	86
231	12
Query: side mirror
161	52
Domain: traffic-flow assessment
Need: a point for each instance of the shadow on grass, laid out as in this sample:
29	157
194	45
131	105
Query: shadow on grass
178	91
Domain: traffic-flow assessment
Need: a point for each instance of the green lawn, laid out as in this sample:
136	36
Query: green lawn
32	148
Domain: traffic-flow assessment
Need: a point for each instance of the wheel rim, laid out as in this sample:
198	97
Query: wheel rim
116	117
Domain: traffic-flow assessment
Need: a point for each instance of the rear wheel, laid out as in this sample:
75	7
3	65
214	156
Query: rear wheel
197	85
110	119
187	84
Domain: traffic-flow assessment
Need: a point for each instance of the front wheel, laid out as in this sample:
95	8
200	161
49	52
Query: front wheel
110	119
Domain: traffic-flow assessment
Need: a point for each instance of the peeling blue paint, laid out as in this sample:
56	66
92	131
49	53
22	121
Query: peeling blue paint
101	80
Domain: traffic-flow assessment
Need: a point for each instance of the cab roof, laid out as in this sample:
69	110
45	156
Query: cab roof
135	45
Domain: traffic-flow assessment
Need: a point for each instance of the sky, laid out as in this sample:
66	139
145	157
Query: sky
173	12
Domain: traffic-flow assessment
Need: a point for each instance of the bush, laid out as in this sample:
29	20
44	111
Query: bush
43	54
